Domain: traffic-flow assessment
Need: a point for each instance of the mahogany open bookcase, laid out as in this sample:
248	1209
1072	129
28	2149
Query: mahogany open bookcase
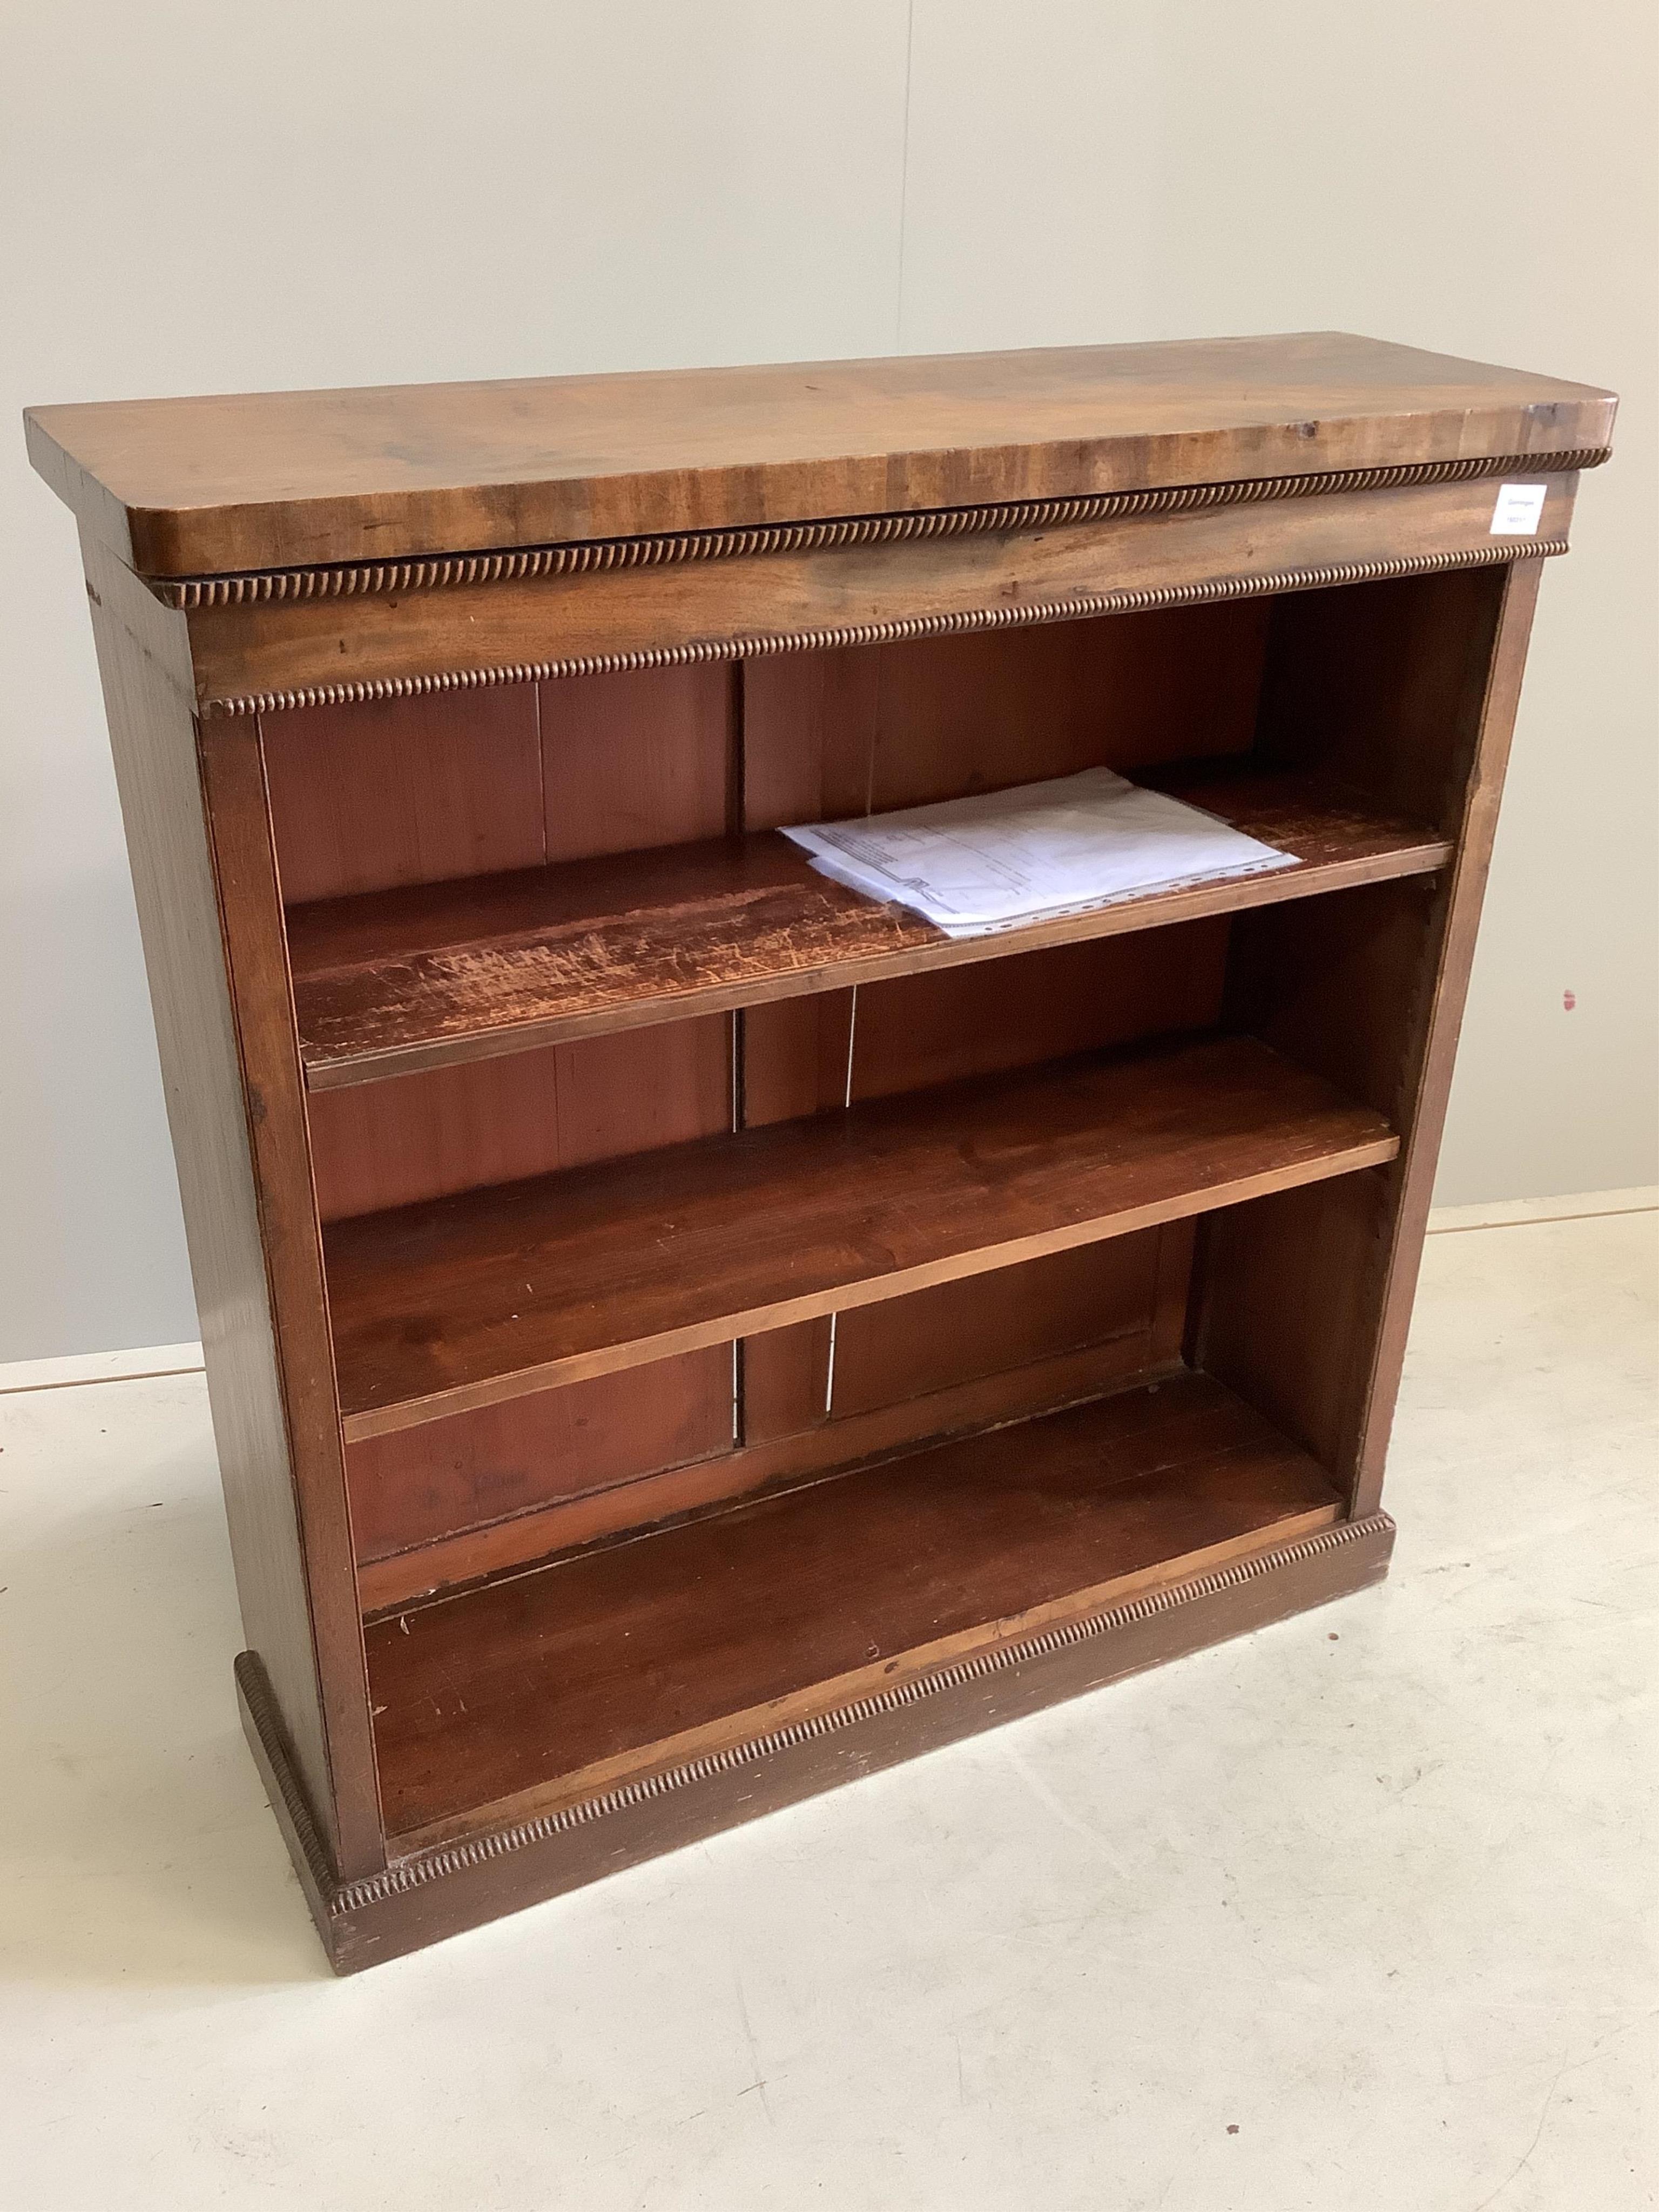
680	1333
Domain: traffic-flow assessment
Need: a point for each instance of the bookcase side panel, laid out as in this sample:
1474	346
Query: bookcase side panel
1306	1299
240	825
1434	1061
144	663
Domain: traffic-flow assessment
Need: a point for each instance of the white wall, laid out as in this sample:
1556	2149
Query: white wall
210	198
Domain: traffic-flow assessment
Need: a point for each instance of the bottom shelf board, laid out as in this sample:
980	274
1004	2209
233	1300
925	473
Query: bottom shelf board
543	1690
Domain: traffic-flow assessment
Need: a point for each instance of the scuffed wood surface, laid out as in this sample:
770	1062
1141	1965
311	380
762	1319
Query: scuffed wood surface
444	972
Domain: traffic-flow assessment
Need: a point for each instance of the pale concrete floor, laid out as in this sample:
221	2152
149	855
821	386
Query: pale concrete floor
1354	1913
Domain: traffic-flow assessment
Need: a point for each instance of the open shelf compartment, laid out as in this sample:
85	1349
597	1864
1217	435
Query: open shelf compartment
745	1299
527	1695
481	1296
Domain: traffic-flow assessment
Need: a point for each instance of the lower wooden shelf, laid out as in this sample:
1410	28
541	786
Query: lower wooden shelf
465	1301
542	1691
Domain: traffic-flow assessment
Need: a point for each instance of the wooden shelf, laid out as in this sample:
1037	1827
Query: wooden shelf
559	1683
467	1300
405	980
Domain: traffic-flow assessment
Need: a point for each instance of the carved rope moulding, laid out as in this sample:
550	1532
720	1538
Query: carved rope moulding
455	1859
358	580
257	1694
738	648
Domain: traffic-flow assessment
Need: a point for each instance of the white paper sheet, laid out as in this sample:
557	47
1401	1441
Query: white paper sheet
1041	850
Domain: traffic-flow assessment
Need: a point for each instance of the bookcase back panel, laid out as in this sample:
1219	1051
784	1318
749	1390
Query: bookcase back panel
1024	1333
1381	684
369	796
409	790
495	1121
489	1121
422	1484
862	729
813	1056
638	759
989	1325
456	1499
817	1055
414	791
921	1029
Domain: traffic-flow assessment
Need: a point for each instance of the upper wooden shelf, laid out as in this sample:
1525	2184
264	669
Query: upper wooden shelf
399	981
461	1302
273	480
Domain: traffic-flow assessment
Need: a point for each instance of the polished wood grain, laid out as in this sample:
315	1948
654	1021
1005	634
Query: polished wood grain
489	1123
985	1325
186	487
1281	1316
455	971
249	905
1379	687
471	1299
952	1024
262	653
426	786
644	758
693	1639
640	759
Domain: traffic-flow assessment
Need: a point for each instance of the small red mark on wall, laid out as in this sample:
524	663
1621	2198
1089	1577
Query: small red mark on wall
1569	1000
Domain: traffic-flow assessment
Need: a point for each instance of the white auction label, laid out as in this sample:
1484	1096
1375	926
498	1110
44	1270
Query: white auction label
1516	515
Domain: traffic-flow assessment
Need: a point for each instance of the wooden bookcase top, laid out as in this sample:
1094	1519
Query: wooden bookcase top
192	487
